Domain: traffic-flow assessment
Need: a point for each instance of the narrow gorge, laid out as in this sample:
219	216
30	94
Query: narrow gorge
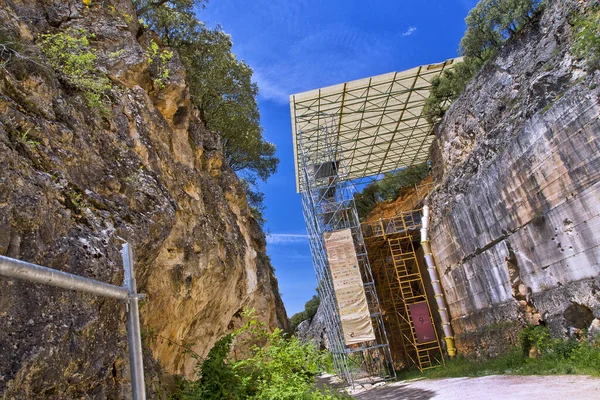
77	181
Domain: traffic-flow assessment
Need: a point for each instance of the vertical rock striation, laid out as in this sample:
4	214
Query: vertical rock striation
75	183
516	224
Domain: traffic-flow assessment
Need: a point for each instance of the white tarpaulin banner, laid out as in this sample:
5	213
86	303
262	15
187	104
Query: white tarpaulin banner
348	286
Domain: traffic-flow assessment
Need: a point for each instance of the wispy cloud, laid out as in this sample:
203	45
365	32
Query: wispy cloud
409	31
286	238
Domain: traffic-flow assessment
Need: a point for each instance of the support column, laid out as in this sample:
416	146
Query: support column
435	282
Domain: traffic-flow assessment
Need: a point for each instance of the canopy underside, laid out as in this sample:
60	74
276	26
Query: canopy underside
374	125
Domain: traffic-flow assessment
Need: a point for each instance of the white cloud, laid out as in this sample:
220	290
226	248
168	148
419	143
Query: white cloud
286	238
409	31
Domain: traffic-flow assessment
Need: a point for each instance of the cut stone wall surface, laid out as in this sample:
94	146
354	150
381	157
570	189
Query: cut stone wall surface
515	228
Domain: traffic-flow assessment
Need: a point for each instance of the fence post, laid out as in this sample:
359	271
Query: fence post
134	338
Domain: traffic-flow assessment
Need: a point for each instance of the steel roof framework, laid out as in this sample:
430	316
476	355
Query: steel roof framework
380	127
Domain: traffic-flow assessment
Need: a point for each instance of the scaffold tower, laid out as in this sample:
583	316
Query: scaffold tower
342	135
328	206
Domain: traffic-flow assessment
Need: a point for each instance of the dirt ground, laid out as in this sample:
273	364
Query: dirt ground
494	387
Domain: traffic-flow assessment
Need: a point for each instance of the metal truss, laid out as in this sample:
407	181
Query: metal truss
378	122
328	205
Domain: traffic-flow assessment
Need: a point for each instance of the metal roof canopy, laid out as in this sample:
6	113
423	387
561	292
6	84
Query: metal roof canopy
376	121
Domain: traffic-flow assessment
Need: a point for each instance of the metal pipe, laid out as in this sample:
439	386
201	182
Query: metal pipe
17	269
435	282
134	337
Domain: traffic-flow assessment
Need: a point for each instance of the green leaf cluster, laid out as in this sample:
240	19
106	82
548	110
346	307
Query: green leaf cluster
388	188
275	367
586	42
489	25
310	309
159	59
71	56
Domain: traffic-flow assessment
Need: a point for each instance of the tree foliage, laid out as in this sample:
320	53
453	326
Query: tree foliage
489	24
388	188
310	309
587	37
221	88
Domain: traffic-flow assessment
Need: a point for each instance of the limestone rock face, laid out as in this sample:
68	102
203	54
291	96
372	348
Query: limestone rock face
516	211
76	183
314	330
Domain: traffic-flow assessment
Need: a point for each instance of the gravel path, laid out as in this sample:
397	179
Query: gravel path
494	387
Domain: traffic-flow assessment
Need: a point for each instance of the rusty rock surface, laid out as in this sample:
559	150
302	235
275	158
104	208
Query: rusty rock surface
76	183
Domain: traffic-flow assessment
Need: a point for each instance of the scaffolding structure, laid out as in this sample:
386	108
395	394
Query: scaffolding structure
395	264
344	135
379	126
328	206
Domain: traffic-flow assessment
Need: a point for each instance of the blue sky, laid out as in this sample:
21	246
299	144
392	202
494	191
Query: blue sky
299	45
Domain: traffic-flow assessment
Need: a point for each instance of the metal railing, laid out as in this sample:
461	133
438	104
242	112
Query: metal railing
17	269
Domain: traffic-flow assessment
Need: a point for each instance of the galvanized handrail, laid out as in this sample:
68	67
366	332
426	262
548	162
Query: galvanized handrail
17	269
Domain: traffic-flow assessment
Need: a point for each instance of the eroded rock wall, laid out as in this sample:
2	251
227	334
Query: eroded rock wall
76	183
516	211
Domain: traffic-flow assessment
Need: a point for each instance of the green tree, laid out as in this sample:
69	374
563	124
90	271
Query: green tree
297	319
310	310
312	306
221	88
587	37
448	86
489	24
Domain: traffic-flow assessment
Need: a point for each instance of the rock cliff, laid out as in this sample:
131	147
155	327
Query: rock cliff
314	330
76	182
516	210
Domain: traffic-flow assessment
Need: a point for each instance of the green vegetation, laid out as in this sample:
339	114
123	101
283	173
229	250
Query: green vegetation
71	56
538	354
389	188
275	367
489	25
310	309
587	37
159	60
221	87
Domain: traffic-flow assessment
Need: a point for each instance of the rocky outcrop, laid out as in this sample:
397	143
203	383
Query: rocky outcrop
516	211
314	330
76	183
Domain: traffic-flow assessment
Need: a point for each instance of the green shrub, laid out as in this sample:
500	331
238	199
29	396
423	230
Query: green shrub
550	356
275	367
587	37
71	56
534	337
